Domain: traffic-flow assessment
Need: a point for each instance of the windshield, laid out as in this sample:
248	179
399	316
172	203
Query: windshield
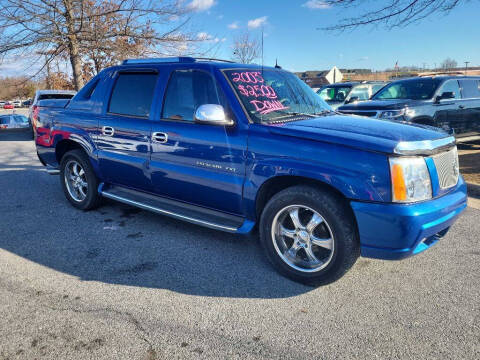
334	93
420	89
271	95
361	92
55	96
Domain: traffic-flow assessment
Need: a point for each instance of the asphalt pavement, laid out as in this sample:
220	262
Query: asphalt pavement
120	283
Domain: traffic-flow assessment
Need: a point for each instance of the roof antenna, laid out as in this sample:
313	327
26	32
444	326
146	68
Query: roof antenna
276	64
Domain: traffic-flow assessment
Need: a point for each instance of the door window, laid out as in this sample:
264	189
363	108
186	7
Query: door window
186	91
470	89
450	86
133	94
4	120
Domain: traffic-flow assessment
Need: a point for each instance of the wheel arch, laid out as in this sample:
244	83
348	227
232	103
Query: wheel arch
278	183
65	145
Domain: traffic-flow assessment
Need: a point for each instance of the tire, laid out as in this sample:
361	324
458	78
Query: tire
333	242
86	198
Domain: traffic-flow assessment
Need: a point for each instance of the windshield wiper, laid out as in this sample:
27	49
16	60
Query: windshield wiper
290	114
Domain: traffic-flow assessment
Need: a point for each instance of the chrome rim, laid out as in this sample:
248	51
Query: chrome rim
76	180
302	238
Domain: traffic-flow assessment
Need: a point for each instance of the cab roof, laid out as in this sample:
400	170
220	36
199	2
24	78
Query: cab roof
219	63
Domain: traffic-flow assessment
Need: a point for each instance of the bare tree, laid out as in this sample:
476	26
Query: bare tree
91	31
391	13
448	64
246	48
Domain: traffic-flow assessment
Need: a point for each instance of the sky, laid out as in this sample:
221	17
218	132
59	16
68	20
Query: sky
291	35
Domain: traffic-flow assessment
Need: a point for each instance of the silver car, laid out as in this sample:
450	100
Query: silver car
14	121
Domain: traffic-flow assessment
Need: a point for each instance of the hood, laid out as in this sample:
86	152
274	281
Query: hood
380	105
358	132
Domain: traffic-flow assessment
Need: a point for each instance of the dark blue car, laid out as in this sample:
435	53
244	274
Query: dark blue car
241	147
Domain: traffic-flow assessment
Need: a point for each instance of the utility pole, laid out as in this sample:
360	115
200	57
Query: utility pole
466	66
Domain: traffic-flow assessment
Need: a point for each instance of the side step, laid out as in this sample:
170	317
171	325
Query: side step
182	211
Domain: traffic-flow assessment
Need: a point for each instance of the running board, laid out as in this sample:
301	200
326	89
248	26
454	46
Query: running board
182	211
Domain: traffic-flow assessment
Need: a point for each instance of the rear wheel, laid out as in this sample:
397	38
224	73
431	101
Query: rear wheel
79	181
309	235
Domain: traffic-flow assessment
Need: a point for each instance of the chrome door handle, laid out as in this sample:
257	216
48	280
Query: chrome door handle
461	107
108	131
159	137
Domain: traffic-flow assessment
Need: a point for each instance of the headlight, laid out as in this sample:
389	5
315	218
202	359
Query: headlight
410	179
391	114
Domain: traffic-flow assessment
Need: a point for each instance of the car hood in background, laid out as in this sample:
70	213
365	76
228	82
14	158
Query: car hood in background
381	105
358	132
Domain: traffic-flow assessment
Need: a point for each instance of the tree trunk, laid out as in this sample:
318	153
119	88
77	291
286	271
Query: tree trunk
73	48
76	62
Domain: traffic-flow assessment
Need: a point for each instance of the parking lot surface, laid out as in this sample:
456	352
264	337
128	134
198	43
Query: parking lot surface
120	283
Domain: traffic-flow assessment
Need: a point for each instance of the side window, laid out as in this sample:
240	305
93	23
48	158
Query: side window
450	86
133	94
186	91
470	88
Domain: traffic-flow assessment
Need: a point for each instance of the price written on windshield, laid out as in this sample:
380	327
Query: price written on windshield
251	84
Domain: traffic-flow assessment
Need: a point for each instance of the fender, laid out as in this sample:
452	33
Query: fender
55	128
358	179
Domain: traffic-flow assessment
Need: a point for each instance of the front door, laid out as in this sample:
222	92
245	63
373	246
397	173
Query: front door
124	131
449	112
198	164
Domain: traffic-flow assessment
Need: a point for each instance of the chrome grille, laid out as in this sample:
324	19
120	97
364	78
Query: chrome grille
447	168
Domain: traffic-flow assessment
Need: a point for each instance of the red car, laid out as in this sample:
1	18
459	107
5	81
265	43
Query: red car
8	105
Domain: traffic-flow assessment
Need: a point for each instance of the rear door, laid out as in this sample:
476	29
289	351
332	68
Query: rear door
198	164
123	141
470	104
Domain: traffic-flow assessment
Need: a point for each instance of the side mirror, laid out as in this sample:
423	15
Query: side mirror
351	100
212	114
445	95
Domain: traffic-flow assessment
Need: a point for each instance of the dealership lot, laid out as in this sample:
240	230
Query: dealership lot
123	283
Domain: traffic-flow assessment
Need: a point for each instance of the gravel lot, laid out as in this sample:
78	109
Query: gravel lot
119	283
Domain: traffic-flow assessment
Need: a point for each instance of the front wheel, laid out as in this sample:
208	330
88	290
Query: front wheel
79	181
309	235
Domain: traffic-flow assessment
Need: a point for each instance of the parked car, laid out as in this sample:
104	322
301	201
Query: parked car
14	121
335	94
27	103
17	103
237	147
2	103
8	105
448	102
364	91
44	95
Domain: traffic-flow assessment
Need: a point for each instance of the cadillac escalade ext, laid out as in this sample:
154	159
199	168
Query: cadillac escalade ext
241	148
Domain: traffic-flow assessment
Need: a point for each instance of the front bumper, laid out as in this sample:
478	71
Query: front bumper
396	231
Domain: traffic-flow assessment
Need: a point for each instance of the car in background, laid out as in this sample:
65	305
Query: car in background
27	103
47	95
1	104
335	94
14	121
364	91
8	105
448	102
17	103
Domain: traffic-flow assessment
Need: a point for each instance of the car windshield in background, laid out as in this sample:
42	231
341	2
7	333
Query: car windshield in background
274	95
334	93
20	119
54	96
361	92
421	89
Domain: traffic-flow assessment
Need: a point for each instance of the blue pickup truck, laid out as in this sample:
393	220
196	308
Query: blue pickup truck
246	148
